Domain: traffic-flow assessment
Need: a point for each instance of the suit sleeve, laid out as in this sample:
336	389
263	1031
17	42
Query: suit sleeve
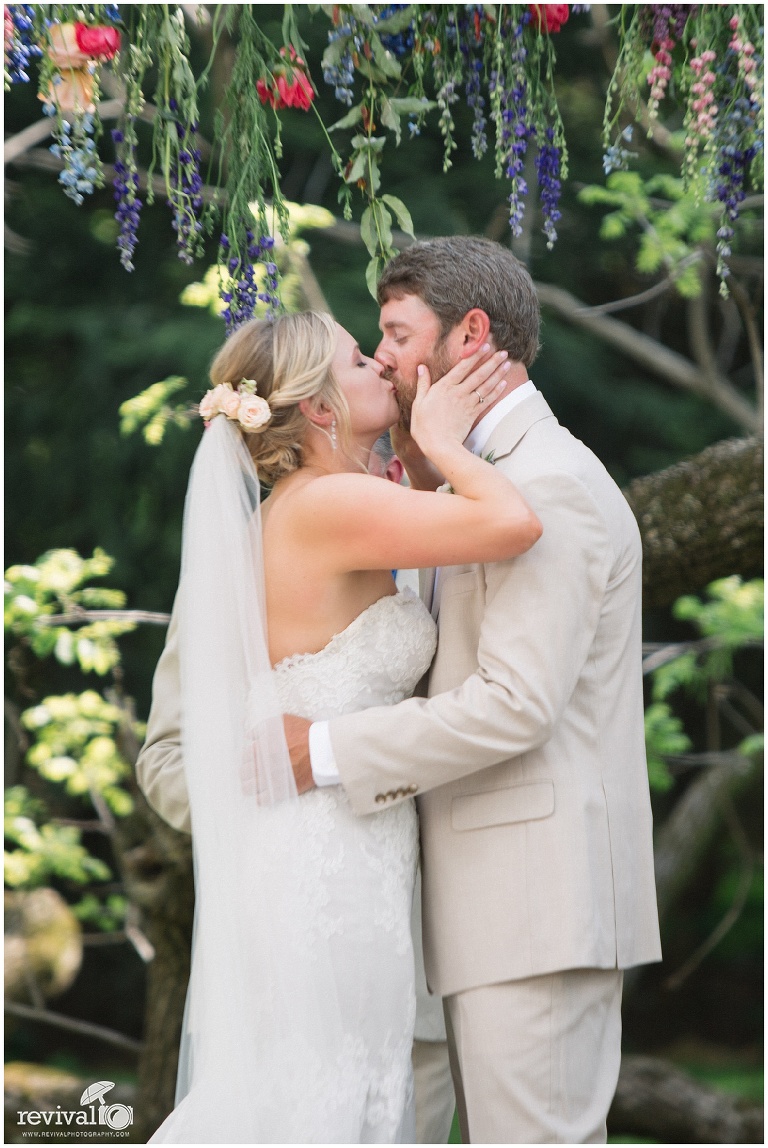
541	614
160	768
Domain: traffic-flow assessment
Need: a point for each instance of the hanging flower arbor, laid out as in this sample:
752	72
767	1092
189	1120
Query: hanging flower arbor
390	67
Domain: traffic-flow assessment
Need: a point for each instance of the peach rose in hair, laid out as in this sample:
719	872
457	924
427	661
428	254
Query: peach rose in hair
254	412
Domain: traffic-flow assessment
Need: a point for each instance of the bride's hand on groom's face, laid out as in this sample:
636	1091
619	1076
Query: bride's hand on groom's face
297	738
444	411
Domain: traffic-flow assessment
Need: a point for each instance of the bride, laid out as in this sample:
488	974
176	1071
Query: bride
300	1009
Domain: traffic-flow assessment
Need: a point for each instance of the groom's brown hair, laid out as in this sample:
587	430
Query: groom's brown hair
454	274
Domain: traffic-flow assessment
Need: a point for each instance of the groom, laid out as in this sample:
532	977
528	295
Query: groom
528	752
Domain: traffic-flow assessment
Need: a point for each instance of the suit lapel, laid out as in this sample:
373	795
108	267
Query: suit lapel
505	437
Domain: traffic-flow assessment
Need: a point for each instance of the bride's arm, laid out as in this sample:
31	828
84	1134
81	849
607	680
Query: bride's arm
422	474
355	522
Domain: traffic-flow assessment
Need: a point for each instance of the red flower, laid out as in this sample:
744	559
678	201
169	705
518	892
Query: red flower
549	17
97	40
284	93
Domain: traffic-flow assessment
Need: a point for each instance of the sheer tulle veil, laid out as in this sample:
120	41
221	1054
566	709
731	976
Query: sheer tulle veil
254	967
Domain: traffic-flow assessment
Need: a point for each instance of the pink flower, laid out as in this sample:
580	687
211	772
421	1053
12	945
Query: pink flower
221	400
254	412
296	92
549	17
98	40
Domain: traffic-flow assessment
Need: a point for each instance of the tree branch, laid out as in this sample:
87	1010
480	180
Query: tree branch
700	519
657	1100
662	361
81	1027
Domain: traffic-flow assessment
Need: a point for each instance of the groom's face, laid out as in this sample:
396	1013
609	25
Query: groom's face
410	335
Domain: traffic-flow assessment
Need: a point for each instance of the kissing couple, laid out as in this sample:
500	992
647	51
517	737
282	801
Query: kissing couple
523	747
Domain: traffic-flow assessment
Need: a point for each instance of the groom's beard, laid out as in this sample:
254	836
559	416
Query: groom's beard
438	364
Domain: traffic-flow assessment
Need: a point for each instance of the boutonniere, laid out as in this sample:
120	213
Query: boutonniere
446	488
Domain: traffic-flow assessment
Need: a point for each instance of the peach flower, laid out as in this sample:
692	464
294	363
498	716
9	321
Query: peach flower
254	412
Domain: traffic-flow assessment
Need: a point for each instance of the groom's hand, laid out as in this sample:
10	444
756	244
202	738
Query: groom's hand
297	737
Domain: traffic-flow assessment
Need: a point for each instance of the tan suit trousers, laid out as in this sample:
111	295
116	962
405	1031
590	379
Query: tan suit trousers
536	1061
435	1102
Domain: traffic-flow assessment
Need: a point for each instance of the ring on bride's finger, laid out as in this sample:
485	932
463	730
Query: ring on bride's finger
480	399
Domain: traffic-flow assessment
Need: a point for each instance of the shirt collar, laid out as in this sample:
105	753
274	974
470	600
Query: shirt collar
478	437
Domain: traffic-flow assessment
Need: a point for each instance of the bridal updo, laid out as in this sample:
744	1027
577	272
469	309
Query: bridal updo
289	358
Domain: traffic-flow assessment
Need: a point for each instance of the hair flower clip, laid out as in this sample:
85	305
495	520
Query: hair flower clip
242	405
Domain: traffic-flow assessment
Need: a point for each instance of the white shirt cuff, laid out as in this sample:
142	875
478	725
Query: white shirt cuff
321	759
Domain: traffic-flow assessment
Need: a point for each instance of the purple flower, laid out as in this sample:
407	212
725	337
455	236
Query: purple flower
241	292
126	186
548	170
186	200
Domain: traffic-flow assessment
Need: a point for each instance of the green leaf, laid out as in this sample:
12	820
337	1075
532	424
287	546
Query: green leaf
411	105
353	116
368	231
402	214
358	168
372	273
389	118
614	226
385	228
753	746
385	59
398	20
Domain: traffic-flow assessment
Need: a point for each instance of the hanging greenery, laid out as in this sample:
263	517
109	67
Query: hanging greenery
390	66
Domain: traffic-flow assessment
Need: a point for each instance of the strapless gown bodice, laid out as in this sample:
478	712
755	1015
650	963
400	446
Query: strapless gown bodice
376	661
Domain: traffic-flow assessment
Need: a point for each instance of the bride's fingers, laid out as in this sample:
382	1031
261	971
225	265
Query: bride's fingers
491	386
482	372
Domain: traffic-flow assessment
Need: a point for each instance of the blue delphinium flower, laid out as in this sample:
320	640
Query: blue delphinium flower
548	170
22	48
476	102
617	157
75	146
341	76
186	200
240	292
126	185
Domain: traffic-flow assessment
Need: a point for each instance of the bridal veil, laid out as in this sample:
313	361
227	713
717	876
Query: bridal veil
262	1023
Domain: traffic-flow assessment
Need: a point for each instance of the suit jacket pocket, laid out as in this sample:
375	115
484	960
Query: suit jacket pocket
462	583
528	802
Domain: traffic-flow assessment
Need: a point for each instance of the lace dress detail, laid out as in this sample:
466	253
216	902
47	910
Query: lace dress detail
340	890
356	880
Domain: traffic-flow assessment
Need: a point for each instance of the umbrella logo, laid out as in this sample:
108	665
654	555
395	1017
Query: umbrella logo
116	1116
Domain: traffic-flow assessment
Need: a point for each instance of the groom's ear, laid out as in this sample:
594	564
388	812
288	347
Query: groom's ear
474	330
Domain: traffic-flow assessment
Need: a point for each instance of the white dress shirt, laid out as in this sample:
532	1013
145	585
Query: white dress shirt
322	761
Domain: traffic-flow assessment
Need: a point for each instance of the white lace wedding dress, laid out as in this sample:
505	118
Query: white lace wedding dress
351	883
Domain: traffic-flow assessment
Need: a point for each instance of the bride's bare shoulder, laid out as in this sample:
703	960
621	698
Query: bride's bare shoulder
337	496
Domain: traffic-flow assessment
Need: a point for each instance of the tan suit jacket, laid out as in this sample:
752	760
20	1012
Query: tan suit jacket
528	753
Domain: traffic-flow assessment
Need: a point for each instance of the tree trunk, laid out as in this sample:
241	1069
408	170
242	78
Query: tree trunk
701	519
657	1100
156	864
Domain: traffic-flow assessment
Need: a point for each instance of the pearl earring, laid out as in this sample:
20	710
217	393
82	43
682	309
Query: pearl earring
333	434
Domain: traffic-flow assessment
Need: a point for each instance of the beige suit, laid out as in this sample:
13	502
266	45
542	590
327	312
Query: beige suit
529	751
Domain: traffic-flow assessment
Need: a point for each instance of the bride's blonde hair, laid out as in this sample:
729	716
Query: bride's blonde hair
289	358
